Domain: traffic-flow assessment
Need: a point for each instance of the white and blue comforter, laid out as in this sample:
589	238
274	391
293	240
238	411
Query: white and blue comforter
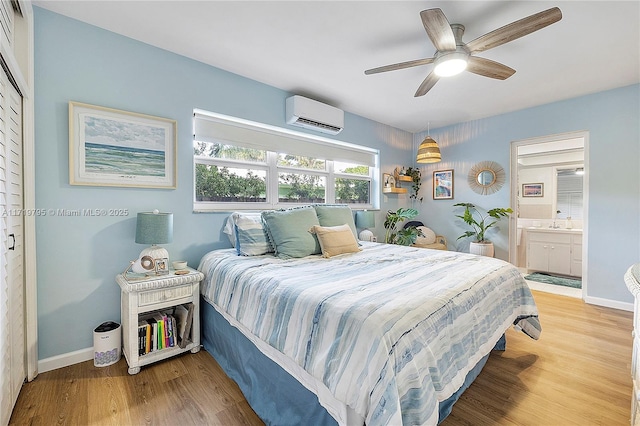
391	331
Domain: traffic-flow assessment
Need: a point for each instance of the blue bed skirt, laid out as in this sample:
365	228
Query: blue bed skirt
275	396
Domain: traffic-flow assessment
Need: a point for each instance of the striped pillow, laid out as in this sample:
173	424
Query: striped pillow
250	236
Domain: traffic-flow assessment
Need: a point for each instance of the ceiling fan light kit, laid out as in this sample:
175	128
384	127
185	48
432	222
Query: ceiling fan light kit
450	64
454	56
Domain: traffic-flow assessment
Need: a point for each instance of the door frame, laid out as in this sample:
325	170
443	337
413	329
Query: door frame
513	219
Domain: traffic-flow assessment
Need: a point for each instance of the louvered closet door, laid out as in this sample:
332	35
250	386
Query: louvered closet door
12	338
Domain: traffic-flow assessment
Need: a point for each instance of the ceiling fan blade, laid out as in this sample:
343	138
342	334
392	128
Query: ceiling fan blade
427	84
489	68
399	66
438	29
515	30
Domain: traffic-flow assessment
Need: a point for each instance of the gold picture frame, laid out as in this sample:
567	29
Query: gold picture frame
110	147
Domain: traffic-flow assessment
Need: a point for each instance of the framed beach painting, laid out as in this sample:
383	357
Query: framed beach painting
532	189
110	147
443	185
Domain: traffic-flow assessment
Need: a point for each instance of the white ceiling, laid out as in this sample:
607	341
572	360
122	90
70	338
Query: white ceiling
320	49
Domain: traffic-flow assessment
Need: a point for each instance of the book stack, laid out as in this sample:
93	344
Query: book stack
165	329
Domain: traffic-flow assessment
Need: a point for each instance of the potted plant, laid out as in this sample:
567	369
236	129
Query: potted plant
416	177
405	236
480	224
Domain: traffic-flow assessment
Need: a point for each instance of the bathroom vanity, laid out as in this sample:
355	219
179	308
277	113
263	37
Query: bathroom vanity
554	250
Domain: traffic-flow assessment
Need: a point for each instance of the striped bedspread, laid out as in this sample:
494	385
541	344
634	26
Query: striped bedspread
391	331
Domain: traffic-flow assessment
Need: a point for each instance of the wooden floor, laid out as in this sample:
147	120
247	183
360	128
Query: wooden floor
578	373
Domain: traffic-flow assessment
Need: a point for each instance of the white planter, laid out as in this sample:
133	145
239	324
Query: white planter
482	249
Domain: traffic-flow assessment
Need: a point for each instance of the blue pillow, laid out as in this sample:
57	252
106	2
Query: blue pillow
288	231
336	215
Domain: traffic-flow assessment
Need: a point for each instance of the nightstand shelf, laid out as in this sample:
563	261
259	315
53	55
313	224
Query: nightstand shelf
141	297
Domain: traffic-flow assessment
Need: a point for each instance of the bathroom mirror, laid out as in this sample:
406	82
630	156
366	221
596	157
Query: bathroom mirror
486	177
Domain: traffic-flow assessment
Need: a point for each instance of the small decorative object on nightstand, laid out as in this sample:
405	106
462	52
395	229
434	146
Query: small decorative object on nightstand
160	315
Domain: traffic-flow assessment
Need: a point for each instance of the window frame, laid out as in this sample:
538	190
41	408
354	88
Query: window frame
273	169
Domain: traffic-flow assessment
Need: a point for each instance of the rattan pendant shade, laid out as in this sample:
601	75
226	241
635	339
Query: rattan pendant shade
428	151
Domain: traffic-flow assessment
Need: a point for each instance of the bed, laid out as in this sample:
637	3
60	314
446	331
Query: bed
380	335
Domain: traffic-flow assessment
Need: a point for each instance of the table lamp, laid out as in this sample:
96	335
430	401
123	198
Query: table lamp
365	219
153	228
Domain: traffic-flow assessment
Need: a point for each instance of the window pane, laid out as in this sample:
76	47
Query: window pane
223	184
301	188
228	152
351	168
300	162
352	191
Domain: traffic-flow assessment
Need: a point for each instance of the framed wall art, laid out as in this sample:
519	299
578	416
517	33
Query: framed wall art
443	185
533	189
110	147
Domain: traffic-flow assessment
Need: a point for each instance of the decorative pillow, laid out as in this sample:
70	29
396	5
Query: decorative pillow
427	237
288	231
250	238
335	240
336	214
230	230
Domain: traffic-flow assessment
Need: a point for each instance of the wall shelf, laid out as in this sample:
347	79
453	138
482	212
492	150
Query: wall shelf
394	190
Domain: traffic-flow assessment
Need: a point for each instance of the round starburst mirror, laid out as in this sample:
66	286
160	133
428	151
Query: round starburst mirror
486	177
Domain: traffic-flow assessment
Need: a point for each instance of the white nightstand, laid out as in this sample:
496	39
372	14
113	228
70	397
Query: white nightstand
142	296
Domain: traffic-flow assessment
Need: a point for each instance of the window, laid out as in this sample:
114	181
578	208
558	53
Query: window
245	165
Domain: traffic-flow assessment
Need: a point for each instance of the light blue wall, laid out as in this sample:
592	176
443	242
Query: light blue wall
78	257
612	120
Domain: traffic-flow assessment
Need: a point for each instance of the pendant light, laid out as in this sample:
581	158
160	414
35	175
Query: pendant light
428	151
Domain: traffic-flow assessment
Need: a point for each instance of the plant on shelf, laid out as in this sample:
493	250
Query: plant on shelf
479	225
416	179
404	236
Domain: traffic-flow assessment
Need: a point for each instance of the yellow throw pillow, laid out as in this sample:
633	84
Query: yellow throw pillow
335	240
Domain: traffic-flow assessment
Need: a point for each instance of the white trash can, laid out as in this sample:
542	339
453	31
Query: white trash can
107	344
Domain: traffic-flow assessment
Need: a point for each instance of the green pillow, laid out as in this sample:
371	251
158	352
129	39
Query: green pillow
336	215
288	231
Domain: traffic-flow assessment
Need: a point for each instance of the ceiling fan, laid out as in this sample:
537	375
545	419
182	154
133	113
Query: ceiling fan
454	56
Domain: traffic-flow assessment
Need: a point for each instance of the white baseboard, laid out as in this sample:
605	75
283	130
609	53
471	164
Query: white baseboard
608	303
64	360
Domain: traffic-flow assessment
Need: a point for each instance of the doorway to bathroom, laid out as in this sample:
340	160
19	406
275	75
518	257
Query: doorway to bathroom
549	197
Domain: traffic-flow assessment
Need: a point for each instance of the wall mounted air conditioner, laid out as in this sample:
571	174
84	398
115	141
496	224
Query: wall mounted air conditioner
314	115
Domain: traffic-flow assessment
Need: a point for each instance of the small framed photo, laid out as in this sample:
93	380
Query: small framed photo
533	189
388	180
443	185
162	266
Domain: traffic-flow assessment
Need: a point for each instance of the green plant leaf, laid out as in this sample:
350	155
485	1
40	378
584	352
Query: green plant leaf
478	222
